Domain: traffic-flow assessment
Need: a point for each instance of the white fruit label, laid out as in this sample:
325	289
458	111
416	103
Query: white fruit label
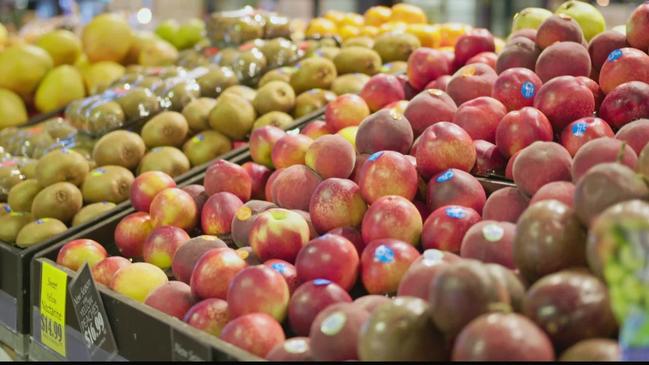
333	324
493	232
433	256
296	346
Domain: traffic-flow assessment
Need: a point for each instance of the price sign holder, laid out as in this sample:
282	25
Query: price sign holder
53	296
185	348
91	315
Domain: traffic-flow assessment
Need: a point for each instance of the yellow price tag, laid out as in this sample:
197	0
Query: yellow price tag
53	294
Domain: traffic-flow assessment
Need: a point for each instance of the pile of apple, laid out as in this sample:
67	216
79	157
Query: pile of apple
327	223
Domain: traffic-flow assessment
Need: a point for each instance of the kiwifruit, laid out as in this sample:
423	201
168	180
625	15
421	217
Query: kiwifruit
276	119
58	128
121	148
243	91
327	42
169	160
249	65
38	144
226	56
139	102
5	209
349	84
22	194
394	68
196	113
107	183
206	146
274	96
361	41
61	201
38	231
102	117
176	94
29	169
395	46
61	165
89	212
280	52
278	74
149	82
313	72
11	224
216	80
233	116
357	59
165	129
10	176
312	100
325	52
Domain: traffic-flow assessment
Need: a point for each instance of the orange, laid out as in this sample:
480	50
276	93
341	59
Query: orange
429	35
348	31
377	15
369	31
407	13
450	32
352	19
320	26
334	15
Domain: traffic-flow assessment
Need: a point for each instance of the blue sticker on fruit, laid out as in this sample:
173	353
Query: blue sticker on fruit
614	55
375	156
7	208
579	129
384	254
455	212
445	176
528	89
40	221
320	282
279	267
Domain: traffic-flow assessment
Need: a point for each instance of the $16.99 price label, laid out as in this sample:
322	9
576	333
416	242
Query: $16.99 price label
94	329
53	295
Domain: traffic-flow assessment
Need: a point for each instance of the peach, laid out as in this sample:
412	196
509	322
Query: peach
186	256
330	257
635	134
625	104
489	160
602	150
223	175
387	173
623	65
426	65
563	191
345	111
131	232
290	150
268	189
279	234
214	271
470	82
104	270
520	128
384	262
479	117
218	212
488	58
385	130
293	187
519	52
416	281
381	90
256	333
336	203
516	88
209	315
146	186
541	163
293	349
261	144
287	270
444	145
334	332
331	156
563	59
259	175
439	83
173	298
636	27
445	227
353	235
601	46
197	192
316	129
583	130
505	205
455	187
244	218
311	298
392	217
490	242
429	107
558	28
564	99
161	245
138	280
258	289
173	207
74	254
472	43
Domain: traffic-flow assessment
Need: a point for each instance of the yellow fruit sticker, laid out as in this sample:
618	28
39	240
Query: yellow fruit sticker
243	254
468	71
53	294
435	92
244	213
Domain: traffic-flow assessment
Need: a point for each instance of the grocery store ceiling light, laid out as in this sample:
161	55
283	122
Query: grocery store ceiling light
144	16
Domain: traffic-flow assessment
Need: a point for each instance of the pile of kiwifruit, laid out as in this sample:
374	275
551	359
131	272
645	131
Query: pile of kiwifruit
67	184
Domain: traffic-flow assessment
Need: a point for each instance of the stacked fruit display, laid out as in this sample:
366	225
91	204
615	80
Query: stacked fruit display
325	224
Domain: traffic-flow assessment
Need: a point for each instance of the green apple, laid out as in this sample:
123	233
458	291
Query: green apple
589	18
530	18
167	30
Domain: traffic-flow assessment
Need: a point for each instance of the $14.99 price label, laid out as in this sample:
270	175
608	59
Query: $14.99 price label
53	295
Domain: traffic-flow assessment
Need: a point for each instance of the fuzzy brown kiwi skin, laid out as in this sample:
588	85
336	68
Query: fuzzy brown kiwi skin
121	148
107	183
91	211
61	166
61	201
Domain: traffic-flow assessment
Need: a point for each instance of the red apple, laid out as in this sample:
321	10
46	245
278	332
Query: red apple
145	187
384	262
75	254
330	257
218	212
173	207
392	217
387	173
472	43
426	65
416	281
520	128
516	88
490	242
623	65
577	133
564	99
381	90
258	289
293	349
446	226
287	270
279	234
455	187
429	107
257	333
188	253
209	315
259	175
334	332
443	146
311	298
290	150
470	82
489	160
626	103
131	232
214	271
161	245
105	269
316	129
223	175
345	111
262	141
479	117
173	298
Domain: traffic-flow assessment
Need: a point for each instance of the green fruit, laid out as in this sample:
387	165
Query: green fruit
107	183
278	74
101	118
169	160
227	56
189	34
196	113
349	84
530	18
138	102
59	87
276	119
274	96
357	60
63	46
91	211
61	165
107	37
12	109
243	91
365	42
157	53
167	29
39	231
280	52
396	46
233	116
165	129
312	100
23	67
249	65
99	76
11	224
140	39
22	195
61	201
206	146
29	169
176	94
312	73
9	177
590	19
216	80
